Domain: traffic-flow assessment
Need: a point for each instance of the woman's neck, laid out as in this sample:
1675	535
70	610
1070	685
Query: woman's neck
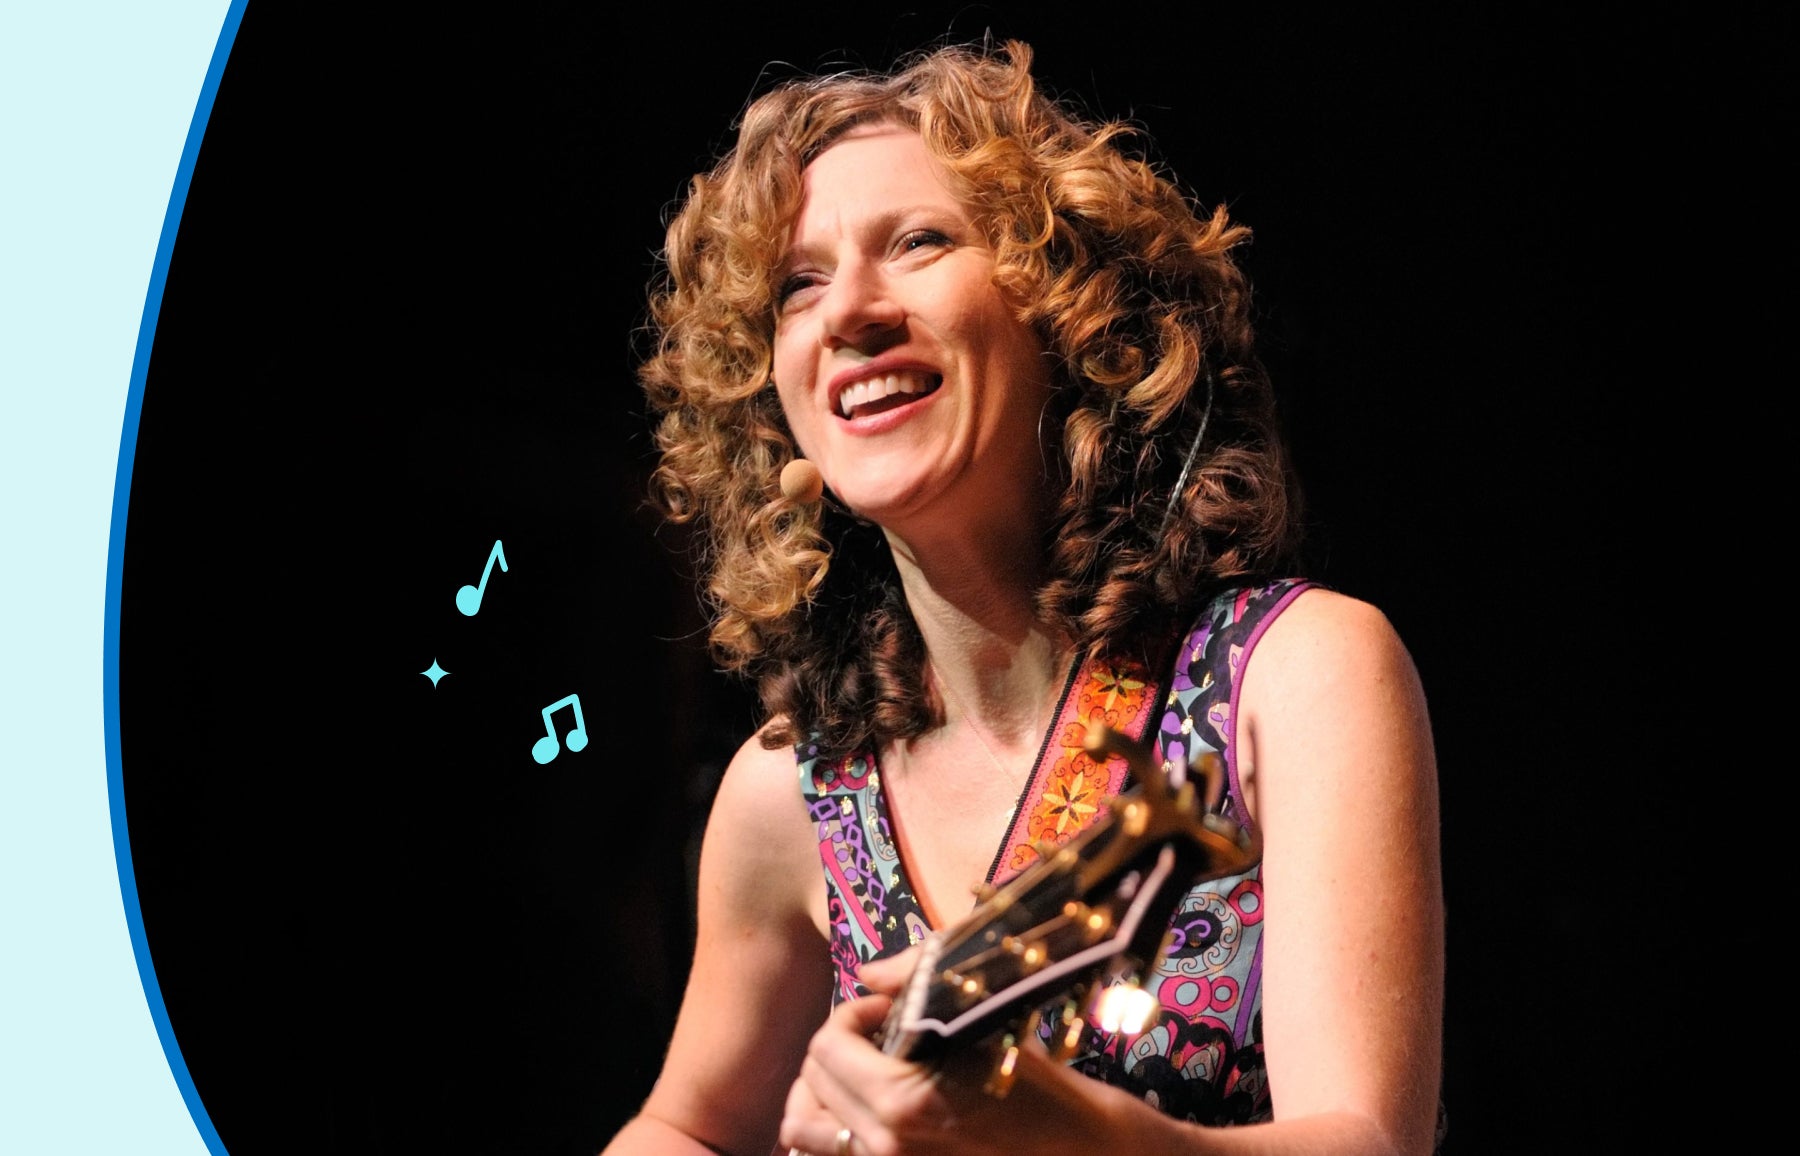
989	655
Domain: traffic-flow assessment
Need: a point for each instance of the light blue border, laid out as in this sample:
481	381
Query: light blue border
115	562
97	98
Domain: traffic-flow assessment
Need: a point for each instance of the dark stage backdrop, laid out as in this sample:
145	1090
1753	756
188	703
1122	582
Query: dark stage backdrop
398	344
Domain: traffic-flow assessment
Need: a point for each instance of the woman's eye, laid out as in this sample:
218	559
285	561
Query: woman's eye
792	285
922	238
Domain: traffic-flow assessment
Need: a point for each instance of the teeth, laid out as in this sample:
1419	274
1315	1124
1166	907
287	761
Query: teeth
876	388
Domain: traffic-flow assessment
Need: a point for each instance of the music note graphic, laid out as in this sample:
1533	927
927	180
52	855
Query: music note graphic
547	747
468	599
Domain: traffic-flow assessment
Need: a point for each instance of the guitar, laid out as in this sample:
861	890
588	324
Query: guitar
1081	925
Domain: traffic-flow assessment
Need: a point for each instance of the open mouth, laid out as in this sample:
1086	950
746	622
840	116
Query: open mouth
888	391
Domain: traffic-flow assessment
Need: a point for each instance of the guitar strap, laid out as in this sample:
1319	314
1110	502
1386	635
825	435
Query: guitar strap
1069	788
1191	702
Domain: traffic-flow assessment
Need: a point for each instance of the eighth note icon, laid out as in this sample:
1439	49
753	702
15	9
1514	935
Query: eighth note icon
468	599
547	747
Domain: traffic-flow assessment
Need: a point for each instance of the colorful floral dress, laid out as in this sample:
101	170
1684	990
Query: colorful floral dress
1201	1058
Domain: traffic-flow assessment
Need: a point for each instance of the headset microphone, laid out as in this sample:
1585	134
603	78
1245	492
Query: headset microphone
802	482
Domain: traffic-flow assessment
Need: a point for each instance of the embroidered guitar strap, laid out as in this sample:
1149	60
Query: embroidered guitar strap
1069	788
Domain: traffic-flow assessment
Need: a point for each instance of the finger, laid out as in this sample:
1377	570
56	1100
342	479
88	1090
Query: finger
884	1100
889	975
805	1123
862	1017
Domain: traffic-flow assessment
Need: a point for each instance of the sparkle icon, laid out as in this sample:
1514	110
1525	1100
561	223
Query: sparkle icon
434	672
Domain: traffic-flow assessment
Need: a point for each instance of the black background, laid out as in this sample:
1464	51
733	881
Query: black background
399	326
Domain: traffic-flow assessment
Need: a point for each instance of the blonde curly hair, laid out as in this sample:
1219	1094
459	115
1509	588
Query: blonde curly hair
1134	294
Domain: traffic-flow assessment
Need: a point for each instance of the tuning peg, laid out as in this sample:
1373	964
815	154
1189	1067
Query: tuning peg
970	987
1101	740
1067	1035
1001	1081
1210	769
1223	825
983	892
1031	956
1093	920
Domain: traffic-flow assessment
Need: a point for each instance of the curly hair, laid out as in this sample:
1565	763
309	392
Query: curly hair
1145	315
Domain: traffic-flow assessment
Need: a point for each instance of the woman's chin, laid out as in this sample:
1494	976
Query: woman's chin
890	503
943	514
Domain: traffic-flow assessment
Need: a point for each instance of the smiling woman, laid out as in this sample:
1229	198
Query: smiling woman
1043	639
903	371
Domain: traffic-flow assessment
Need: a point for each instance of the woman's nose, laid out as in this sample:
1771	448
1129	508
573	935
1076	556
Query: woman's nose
859	306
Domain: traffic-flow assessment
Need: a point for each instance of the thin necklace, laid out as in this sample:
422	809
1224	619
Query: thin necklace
981	739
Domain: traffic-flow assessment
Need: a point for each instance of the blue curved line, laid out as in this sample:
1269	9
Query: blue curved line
115	560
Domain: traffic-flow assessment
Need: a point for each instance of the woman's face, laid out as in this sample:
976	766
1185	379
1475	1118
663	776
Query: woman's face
905	375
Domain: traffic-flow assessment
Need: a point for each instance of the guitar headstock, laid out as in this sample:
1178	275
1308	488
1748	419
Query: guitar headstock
1078	926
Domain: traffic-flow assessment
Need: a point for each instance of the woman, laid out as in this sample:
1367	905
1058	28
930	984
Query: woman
1056	504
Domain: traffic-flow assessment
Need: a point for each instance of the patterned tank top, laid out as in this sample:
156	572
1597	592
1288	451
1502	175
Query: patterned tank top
1201	1058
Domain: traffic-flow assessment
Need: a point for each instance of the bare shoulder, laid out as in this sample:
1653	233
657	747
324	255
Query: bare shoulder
1331	684
1329	644
761	781
759	835
1324	628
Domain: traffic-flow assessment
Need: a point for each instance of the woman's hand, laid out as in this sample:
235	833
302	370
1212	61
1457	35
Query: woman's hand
844	1069
889	1104
893	1106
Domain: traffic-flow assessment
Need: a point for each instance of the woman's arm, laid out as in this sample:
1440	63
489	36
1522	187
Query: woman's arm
1334	748
761	978
1337	756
